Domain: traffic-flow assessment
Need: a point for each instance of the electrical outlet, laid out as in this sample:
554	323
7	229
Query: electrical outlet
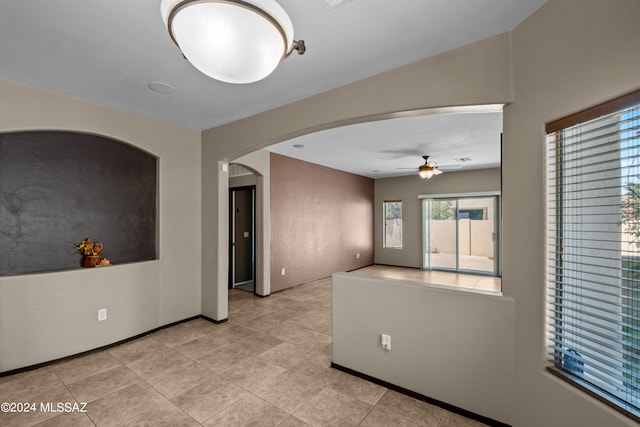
282	272
102	314
385	341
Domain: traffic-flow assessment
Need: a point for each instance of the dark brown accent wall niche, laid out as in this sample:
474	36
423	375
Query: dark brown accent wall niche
57	187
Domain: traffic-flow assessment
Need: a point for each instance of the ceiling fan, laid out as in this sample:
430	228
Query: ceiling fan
427	170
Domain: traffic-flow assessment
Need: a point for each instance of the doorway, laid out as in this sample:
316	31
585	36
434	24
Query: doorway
460	234
242	245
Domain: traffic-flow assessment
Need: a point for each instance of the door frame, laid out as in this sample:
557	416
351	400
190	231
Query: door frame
426	246
231	266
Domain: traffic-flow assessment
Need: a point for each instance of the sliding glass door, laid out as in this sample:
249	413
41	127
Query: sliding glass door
460	234
442	237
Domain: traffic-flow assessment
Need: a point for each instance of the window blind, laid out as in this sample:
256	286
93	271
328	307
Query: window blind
593	255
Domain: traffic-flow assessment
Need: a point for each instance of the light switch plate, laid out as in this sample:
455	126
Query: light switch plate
385	341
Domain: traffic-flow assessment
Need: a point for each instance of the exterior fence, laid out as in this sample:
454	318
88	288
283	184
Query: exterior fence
474	237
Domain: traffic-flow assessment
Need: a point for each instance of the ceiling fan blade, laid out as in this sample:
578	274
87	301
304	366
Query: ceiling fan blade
413	169
437	171
447	168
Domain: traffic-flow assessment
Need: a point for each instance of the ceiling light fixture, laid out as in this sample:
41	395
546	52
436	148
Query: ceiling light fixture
425	171
429	169
233	41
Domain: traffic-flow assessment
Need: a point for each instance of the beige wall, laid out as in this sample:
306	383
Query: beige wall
445	344
407	189
51	315
570	55
242	181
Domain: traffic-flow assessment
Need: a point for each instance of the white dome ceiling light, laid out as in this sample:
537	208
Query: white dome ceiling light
233	41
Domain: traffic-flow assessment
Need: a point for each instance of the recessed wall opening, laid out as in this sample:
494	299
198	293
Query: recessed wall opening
60	187
465	144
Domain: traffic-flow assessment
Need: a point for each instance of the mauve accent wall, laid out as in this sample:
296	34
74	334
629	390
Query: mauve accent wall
321	221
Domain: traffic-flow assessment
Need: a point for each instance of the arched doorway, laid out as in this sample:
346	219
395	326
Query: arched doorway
245	172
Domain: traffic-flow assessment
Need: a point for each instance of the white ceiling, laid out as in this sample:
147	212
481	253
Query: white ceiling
108	51
395	147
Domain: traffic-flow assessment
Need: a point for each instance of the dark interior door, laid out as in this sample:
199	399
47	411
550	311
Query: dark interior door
244	235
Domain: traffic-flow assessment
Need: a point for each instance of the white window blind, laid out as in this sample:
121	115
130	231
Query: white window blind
593	248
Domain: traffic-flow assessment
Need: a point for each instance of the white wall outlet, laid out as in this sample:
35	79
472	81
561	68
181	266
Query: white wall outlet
385	341
102	314
282	272
357	255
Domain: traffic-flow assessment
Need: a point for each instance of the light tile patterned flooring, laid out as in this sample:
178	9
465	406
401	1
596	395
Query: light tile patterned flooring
269	365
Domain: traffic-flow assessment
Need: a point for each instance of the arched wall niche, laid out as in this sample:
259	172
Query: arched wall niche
58	187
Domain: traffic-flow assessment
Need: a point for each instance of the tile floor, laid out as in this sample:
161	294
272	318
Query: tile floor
269	365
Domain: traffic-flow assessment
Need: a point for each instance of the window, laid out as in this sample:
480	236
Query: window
473	214
593	247
392	224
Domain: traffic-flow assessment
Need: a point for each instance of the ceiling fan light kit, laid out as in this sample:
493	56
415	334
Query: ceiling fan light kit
234	41
429	169
425	171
